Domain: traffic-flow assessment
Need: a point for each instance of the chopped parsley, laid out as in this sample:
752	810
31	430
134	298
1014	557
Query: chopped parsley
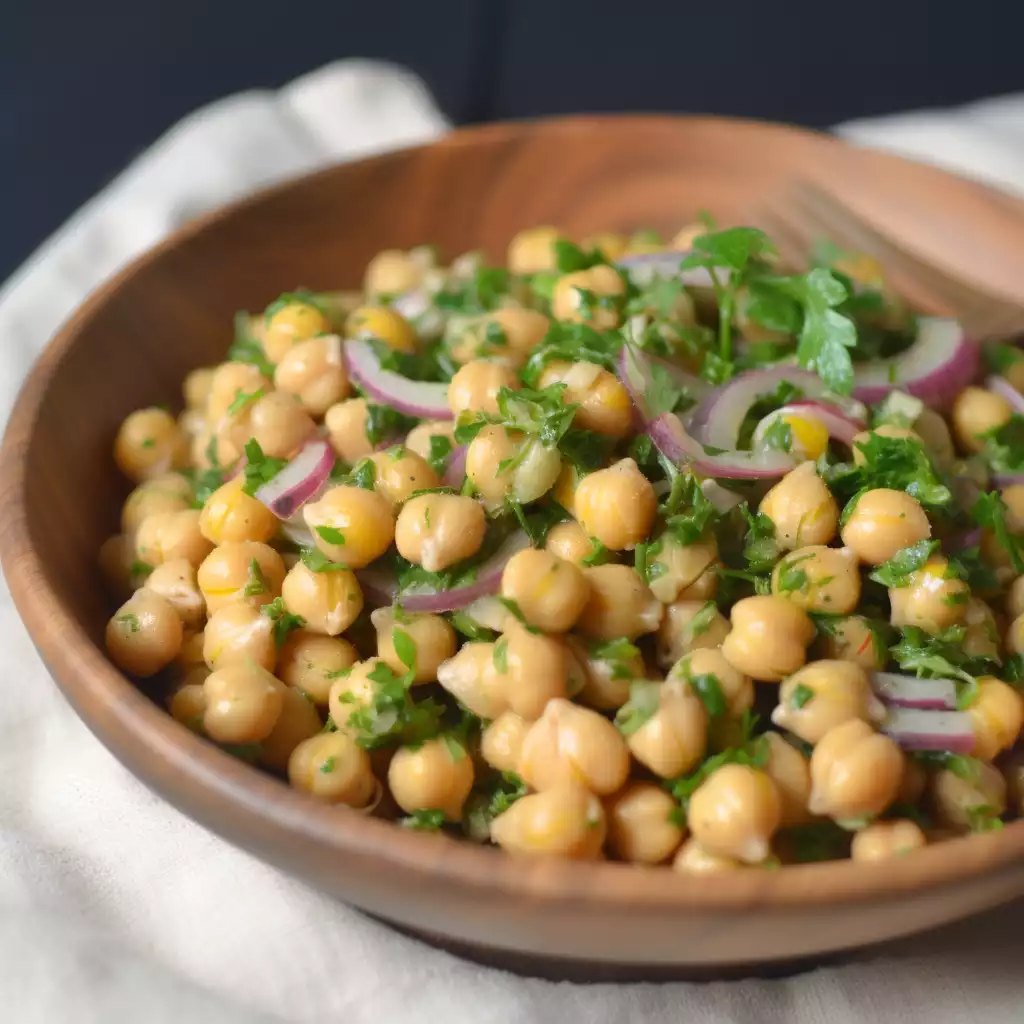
316	561
259	468
283	620
440	448
383	422
1004	446
257	583
753	753
644	699
242	400
489	800
901	567
500	656
802	694
619	655
331	534
790	576
392	716
424	820
246	349
130	621
989	511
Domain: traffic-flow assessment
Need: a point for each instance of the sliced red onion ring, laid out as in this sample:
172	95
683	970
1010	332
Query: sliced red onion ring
1001	386
669	434
299	481
455	471
936	368
298	532
488	580
840	426
634	369
911	692
721	497
718	419
917	729
1002	480
423	399
644	267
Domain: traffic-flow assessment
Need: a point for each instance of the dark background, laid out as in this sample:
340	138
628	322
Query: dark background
84	87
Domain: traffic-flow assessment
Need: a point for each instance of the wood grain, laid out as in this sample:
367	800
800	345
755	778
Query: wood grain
132	343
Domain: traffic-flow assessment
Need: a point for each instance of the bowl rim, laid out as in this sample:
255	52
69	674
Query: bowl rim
134	727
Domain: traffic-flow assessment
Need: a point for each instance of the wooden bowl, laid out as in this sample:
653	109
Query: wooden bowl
132	343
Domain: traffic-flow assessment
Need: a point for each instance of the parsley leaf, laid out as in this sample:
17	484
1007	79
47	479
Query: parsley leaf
257	583
1004	446
618	655
760	549
331	534
405	648
753	753
392	716
490	800
316	561
990	512
424	820
569	257
131	621
243	399
708	688
933	657
897	571
246	349
259	468
440	448
644	699
481	292
383	422
283	620
801	695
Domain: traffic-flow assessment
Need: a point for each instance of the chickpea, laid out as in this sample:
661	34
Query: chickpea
769	637
231	515
791	773
569	743
565	822
229	380
433	639
472	677
753	330
591	296
350	525
190	656
352	690
852	639
216	445
297	722
819	579
882	523
170	492
616	505
1014	597
533	251
501	743
333	767
960	804
570	542
535	670
149	443
239	633
886	839
310	662
693	859
734	686
169	536
550	592
620	604
855	772
528	477
346	424
680	566
439	530
144	635
314	372
243	703
935	435
280	424
418	439
431	777
564	491
475	387
672	736
196	389
506	336
823	695
1015	636
381	323
399	473
116	559
608	672
291	324
640	825
604	404
689	626
175	581
981	637
187	705
329	602
802	508
997	714
975	412
932	600
891	430
1013	499
808	436
735	812
392	272
245	571
913	783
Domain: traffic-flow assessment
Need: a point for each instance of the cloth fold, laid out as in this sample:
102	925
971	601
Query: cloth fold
115	908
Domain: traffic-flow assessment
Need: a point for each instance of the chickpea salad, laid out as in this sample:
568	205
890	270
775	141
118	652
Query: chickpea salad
632	549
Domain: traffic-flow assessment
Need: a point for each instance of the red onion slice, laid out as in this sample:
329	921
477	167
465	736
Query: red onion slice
936	368
1002	480
298	532
634	368
840	426
911	692
426	400
644	267
718	419
669	434
917	729
721	497
299	481
455	471
1001	386
488	580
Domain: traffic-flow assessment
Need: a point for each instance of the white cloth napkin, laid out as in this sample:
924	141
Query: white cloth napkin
114	908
